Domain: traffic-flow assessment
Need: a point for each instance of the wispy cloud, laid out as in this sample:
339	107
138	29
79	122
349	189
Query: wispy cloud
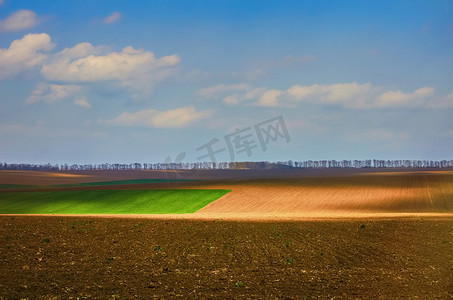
220	89
19	20
82	102
113	18
174	118
51	93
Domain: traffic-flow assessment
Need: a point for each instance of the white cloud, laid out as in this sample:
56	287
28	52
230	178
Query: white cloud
51	93
398	98
19	20
244	97
231	100
242	93
137	69
24	53
351	95
114	17
299	92
82	102
348	95
174	118
346	91
269	98
255	93
359	96
78	51
220	89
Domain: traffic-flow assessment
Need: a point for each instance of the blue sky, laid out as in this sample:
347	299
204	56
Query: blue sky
139	81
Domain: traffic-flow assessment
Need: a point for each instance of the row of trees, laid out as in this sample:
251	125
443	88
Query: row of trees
317	164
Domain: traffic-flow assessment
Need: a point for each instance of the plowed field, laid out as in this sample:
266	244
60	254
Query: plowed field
295	234
102	258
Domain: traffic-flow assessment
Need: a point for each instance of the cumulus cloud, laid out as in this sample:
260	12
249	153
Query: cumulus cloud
113	18
348	95
359	96
78	51
269	98
398	98
24	54
220	89
134	68
19	20
255	93
51	93
82	102
243	92
346	91
351	95
174	118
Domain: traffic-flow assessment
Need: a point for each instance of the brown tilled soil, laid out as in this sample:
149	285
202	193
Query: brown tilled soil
126	258
68	177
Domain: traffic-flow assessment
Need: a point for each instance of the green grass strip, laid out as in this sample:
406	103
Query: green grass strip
119	182
15	186
177	201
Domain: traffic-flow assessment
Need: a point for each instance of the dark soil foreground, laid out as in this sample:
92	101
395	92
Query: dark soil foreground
116	258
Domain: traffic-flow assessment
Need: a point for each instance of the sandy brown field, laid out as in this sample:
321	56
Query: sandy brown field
353	194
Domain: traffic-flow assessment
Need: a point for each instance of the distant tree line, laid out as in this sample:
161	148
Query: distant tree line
308	164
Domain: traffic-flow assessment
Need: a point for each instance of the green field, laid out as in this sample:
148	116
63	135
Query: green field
15	186
178	201
120	182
